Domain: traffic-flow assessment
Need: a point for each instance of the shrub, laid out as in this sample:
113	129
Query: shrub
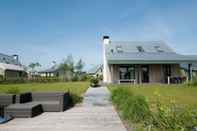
44	79
75	77
1	78
75	99
193	82
94	81
84	77
13	80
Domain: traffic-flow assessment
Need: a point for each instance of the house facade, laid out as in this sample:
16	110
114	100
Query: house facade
11	68
143	62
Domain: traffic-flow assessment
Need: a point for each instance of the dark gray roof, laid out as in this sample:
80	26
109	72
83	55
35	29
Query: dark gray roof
155	52
145	58
8	59
131	46
50	70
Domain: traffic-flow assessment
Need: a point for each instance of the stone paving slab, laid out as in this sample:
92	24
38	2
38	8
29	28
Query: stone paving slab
93	115
97	97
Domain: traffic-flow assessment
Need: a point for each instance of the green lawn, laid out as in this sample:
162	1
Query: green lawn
77	88
181	94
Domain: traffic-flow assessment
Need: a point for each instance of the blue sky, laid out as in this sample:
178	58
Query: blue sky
47	30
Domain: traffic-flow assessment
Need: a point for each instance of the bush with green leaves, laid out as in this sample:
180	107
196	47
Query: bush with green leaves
94	82
13	80
1	78
44	79
193	83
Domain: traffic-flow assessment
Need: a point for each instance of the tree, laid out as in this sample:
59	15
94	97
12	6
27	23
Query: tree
68	67
68	64
79	66
71	70
78	70
33	66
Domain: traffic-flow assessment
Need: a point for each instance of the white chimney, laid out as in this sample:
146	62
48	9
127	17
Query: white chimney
15	57
106	72
106	40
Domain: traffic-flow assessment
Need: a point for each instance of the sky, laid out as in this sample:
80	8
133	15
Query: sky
48	30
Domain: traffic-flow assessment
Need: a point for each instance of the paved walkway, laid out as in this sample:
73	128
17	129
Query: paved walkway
95	114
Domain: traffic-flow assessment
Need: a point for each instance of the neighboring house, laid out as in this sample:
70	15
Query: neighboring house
96	71
193	67
56	72
11	68
51	72
142	62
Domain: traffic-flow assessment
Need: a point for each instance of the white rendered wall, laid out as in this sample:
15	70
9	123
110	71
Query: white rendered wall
106	71
2	71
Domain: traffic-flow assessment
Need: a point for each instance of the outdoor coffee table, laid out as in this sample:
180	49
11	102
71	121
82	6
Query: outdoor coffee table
25	110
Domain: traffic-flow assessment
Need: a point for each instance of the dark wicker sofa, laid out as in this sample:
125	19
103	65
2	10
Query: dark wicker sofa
32	104
52	102
6	100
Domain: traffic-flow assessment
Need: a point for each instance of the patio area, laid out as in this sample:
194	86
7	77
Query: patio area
96	113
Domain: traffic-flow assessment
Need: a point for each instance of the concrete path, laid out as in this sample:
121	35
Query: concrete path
97	97
95	114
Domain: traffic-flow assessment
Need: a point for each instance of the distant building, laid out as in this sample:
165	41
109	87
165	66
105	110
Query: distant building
193	68
51	72
11	68
96	71
56	72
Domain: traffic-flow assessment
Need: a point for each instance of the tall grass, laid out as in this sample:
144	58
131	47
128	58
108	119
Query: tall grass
144	115
182	94
133	108
193	83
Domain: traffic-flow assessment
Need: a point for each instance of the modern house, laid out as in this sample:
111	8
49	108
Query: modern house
11	68
143	62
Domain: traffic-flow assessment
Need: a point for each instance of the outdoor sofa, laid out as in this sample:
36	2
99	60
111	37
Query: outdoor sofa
33	104
5	100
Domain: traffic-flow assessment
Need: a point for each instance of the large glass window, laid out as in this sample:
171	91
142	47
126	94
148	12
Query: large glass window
140	49
145	73
127	72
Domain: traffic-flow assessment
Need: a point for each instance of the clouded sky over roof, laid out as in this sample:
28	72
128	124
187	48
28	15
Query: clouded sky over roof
47	30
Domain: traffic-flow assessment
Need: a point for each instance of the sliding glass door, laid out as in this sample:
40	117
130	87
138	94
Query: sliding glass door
127	72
